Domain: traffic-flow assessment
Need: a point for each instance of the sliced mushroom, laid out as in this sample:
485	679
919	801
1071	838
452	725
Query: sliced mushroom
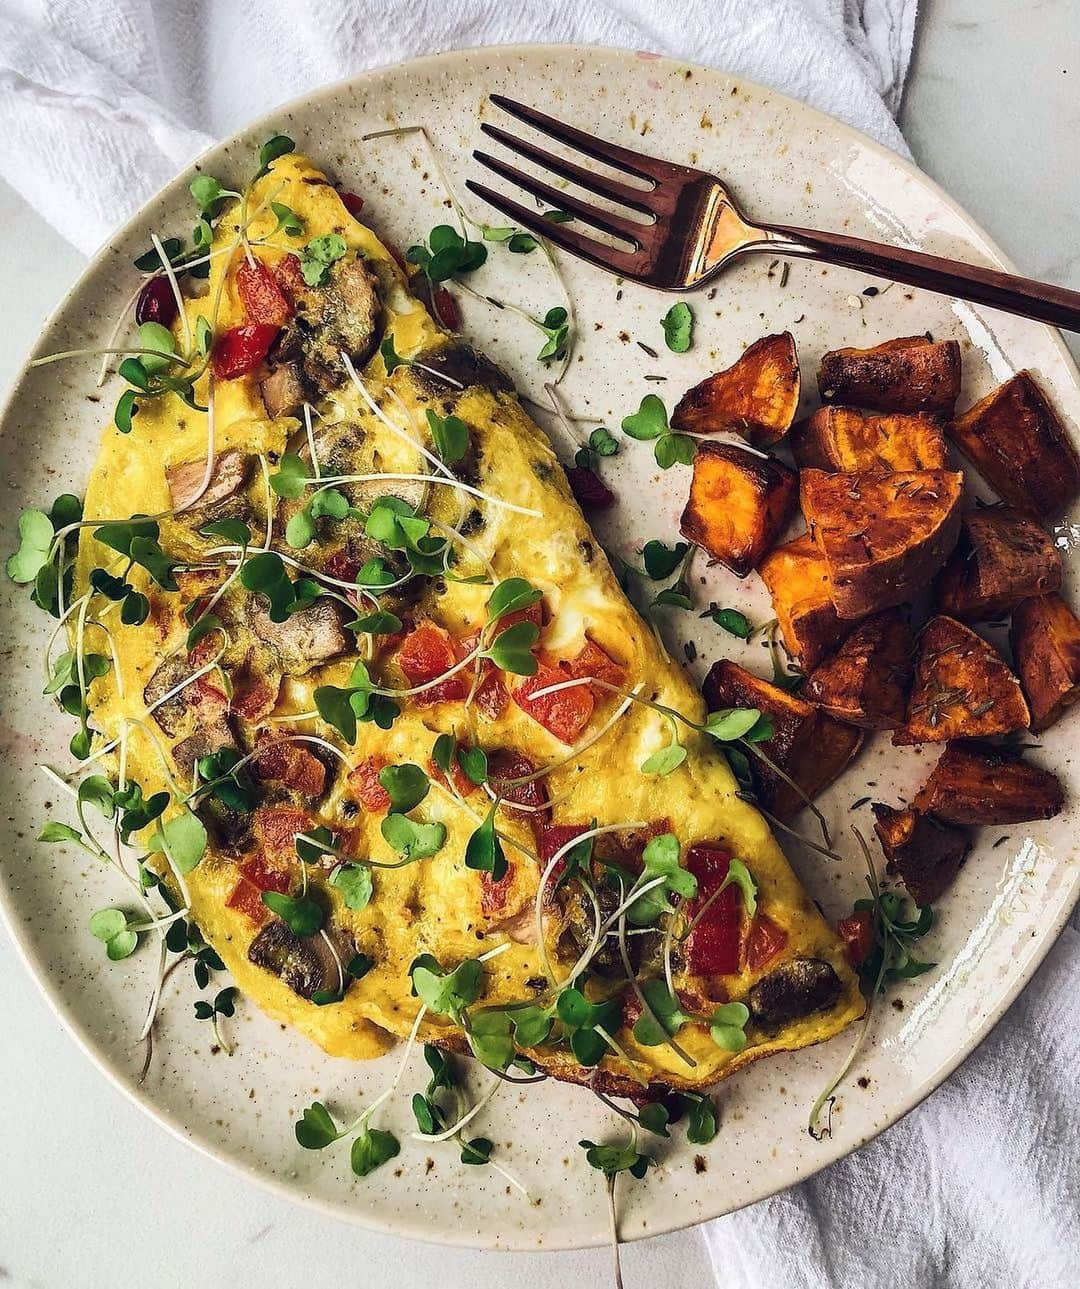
171	714
308	964
797	989
305	639
341	317
228	477
206	740
282	391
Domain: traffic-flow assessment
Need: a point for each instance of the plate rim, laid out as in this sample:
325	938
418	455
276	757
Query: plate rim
144	1101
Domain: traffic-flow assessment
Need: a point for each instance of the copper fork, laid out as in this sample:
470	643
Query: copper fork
689	227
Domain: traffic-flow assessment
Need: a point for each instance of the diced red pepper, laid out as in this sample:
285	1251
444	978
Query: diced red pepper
590	491
156	302
446	310
857	933
764	942
565	713
254	692
552	838
712	949
275	828
290	276
247	899
292	765
261	295
491	695
344	564
241	349
265	876
427	653
352	202
364	780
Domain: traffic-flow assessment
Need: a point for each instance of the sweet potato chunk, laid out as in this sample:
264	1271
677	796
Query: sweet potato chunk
884	536
976	783
1045	640
798	581
865	682
927	854
1000	559
757	397
911	374
808	746
1017	443
739	504
962	689
845	439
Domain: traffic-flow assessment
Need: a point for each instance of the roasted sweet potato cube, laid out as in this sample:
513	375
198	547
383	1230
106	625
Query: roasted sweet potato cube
977	783
739	504
808	746
845	439
1015	440
798	581
865	682
757	397
1000	559
962	689
1045	640
884	536
927	854
911	374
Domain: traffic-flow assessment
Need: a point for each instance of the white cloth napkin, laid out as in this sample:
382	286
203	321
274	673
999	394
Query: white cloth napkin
103	102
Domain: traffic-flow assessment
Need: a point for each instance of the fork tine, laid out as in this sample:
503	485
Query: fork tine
608	222
611	258
612	189
636	163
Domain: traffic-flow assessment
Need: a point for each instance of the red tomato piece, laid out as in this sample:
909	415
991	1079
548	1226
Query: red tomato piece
292	765
290	276
254	692
552	838
492	695
564	714
712	949
505	765
463	785
261	295
344	565
364	779
594	661
534	613
494	894
275	828
352	202
857	933
265	876
247	899
764	942
590	491
427	653
241	349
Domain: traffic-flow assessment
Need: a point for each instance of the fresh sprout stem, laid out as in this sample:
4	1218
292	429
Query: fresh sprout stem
210	455
46	359
311	441
670	1039
170	273
454	1129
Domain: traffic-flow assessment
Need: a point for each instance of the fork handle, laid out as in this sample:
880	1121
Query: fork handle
1030	299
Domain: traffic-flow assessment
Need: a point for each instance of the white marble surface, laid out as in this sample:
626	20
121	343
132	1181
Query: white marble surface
90	1191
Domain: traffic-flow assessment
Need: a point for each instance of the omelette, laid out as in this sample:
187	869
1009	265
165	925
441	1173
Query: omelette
387	668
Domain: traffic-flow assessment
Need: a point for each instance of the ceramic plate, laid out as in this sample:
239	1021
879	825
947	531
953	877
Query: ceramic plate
787	164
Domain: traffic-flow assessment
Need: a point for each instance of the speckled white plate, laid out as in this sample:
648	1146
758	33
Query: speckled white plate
787	163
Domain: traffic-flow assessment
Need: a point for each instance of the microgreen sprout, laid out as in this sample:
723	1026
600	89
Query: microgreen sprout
224	1004
650	422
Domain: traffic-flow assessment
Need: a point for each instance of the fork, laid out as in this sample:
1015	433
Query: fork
690	227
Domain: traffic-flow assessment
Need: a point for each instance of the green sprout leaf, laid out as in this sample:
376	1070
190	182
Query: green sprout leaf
413	840
556	326
511	596
490	1039
184	839
450	435
302	915
731	620
110	926
727	1026
611	1160
447	993
291	477
665	760
730	723
371	1148
273	148
511	650
58	832
661	561
316	1129
355	884
318	255
35	542
649	421
674	449
288	221
667	1017
152	335
678	324
406	786
483	851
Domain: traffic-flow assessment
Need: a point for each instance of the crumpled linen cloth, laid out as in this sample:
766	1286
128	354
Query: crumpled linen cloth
103	101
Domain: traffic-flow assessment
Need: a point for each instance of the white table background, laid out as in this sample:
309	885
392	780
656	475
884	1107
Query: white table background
90	1190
